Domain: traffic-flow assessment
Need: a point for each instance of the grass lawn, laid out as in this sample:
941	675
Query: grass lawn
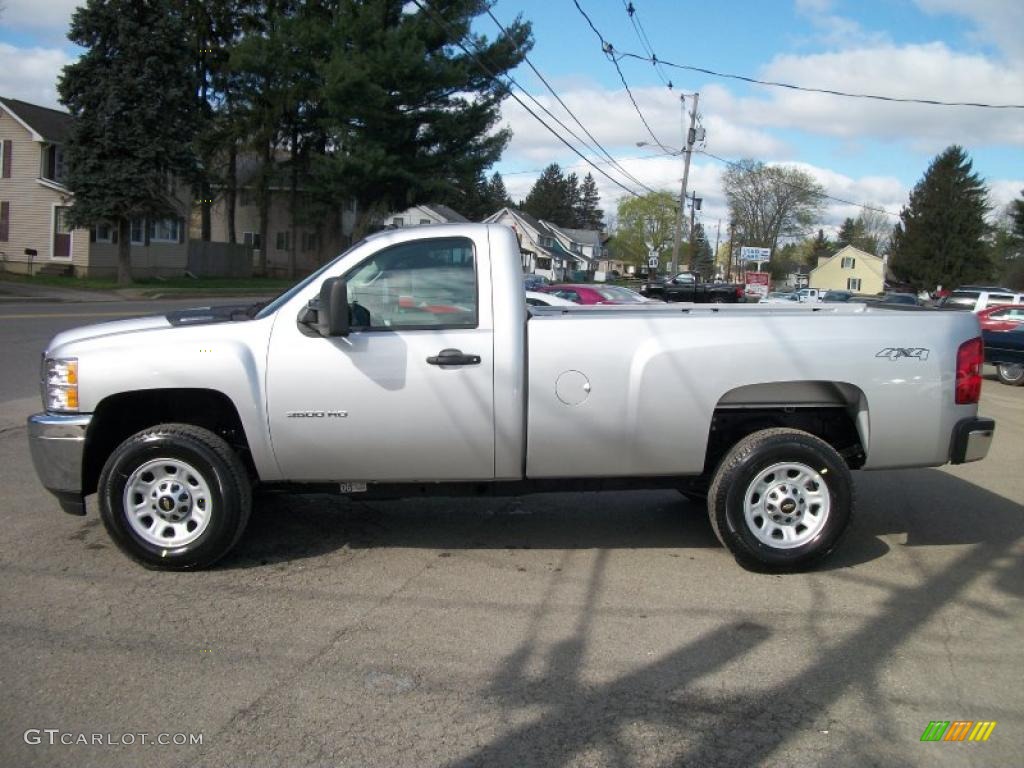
211	285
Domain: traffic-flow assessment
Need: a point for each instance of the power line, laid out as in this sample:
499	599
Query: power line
442	23
734	164
645	41
554	93
609	51
599	162
607	48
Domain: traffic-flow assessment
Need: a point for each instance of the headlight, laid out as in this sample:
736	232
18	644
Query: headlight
60	384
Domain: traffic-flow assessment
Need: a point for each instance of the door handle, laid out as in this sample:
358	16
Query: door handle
453	357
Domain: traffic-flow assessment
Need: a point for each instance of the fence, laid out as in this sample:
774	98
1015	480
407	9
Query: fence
219	259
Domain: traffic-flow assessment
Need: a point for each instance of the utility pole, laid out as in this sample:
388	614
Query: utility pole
691	138
693	213
729	271
718	232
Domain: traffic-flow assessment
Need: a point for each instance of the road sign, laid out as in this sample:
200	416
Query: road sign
652	263
753	253
757	283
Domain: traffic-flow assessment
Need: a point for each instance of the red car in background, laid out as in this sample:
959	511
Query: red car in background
1003	317
595	294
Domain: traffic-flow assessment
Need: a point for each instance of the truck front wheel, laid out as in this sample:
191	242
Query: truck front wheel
780	499
175	497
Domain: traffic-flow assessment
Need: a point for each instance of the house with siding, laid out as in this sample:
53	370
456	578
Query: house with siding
849	269
314	243
34	235
557	253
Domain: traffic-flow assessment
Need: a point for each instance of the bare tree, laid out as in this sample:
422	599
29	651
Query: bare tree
769	202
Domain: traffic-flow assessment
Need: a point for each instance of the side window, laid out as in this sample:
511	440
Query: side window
422	284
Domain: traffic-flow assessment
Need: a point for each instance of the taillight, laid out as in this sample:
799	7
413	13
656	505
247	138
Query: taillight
969	359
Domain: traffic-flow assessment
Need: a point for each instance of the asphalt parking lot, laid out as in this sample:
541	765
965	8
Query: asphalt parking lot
564	629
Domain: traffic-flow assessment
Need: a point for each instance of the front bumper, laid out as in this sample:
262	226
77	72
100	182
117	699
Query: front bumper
57	444
971	440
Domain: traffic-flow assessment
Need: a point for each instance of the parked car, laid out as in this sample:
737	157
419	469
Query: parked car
533	282
838	296
1001	317
781	297
346	384
538	299
977	298
810	294
593	293
908	299
1005	350
689	286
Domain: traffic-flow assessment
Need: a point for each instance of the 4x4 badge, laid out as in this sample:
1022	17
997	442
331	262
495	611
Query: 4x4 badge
895	353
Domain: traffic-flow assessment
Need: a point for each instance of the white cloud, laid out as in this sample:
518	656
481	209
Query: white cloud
30	74
999	22
1002	191
49	18
919	71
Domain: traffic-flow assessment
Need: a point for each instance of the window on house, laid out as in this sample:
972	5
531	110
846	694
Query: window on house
543	263
104	233
397	221
246	197
849	262
547	242
310	241
5	221
6	148
53	163
853	284
422	284
251	238
575	248
138	231
283	241
424	221
164	231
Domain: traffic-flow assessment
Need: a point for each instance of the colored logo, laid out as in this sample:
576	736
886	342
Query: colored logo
958	730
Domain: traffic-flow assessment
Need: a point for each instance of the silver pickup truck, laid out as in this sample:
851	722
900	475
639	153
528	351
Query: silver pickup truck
411	364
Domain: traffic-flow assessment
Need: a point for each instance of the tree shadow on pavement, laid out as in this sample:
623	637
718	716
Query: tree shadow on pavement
588	723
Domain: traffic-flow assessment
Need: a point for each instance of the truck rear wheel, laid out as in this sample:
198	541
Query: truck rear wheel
1011	373
780	500
175	497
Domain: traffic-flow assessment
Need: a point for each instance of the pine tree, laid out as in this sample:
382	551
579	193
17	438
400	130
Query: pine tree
940	238
550	198
588	215
496	192
849	233
133	101
823	247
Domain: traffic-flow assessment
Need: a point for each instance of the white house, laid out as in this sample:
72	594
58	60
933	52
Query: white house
557	253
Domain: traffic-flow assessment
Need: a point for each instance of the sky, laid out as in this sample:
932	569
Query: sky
863	151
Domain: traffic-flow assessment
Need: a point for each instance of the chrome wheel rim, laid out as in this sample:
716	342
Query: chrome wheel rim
786	505
167	503
1011	371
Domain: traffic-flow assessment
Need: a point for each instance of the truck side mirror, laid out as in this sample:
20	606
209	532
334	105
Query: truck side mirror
332	316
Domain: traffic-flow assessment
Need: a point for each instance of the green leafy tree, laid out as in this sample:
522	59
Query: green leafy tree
941	236
648	220
769	202
132	97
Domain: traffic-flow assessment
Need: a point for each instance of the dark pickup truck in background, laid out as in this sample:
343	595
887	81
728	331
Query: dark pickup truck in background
688	286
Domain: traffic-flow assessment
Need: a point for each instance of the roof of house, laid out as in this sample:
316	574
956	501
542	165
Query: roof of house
47	124
446	213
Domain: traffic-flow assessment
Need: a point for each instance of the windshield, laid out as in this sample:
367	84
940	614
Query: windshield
620	294
285	297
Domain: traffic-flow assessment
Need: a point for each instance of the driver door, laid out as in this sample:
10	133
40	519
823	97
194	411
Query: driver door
379	404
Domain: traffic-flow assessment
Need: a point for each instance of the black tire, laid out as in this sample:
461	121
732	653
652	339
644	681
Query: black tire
225	478
746	463
1010	374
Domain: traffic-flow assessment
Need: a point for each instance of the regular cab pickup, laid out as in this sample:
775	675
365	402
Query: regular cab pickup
411	364
688	286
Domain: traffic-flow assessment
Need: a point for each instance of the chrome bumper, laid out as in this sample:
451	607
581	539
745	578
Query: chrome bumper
57	444
971	440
